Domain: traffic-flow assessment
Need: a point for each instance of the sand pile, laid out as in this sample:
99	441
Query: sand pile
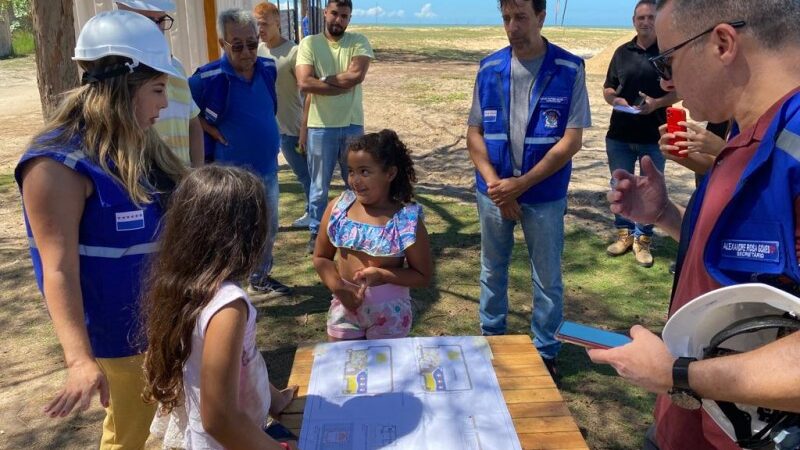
598	64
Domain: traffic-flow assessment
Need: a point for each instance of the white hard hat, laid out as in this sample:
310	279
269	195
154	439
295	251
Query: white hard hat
128	34
149	5
691	328
736	319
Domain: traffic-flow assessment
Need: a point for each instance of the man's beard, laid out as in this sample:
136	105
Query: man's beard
335	30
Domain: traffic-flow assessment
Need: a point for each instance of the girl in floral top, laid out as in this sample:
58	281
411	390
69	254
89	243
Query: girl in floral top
381	239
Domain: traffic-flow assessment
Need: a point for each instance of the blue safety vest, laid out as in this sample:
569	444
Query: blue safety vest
115	238
754	237
550	102
210	85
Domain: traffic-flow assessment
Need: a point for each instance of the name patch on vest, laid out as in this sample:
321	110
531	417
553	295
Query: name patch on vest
556	100
751	250
490	115
129	221
551	117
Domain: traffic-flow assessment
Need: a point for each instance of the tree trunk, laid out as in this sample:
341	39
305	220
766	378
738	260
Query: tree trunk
54	32
5	30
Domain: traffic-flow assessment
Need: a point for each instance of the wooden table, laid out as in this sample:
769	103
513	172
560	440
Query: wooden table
540	415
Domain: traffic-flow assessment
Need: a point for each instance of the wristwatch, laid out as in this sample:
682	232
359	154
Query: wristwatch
323	79
681	394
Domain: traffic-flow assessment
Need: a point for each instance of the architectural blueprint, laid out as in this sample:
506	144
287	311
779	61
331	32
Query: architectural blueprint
437	393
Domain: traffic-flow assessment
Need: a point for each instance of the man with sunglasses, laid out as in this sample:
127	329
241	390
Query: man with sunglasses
238	103
178	124
728	59
633	81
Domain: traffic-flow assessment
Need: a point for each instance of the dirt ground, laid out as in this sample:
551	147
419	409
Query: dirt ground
425	99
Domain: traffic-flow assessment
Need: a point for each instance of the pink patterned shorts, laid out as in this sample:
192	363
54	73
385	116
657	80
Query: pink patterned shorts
385	314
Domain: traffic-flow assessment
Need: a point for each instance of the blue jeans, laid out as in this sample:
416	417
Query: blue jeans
325	148
623	155
297	162
271	190
543	227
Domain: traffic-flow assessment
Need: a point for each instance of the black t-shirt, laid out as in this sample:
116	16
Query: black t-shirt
631	68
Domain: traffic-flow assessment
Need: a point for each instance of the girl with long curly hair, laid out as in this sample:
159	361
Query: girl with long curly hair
199	323
381	239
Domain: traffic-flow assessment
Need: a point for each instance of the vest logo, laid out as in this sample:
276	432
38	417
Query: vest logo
490	115
551	117
129	221
751	250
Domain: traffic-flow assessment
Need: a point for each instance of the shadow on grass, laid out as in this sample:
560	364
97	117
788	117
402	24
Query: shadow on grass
59	433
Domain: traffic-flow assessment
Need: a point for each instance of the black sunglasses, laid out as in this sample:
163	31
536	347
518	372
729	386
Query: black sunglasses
164	22
663	62
238	47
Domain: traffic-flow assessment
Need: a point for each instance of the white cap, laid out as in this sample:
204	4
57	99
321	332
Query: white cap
691	328
149	5
125	33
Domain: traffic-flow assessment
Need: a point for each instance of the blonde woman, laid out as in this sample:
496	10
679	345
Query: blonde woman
93	185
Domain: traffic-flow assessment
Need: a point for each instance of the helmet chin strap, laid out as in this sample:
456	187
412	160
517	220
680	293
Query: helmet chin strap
132	65
741	420
104	73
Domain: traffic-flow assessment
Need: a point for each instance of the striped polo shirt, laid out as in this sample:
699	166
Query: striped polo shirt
173	121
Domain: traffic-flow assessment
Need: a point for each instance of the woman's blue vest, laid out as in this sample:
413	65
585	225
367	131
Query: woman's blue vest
550	102
754	237
115	239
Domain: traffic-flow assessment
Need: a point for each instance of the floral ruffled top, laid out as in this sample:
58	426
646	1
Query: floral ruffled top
392	239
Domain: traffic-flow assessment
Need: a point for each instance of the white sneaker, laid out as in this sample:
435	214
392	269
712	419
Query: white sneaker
302	222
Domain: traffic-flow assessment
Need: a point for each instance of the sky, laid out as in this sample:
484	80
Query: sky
599	13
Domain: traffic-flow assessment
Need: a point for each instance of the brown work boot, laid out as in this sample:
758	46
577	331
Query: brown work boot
622	244
641	249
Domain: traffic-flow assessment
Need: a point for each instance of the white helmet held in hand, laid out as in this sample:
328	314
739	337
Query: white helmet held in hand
731	320
149	5
128	34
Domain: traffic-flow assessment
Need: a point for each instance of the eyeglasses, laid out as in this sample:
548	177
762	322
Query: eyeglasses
663	62
164	22
238	47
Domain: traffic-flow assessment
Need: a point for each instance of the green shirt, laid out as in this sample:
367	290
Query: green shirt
328	59
290	106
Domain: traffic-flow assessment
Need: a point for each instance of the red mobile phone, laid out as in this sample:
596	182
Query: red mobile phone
675	115
589	337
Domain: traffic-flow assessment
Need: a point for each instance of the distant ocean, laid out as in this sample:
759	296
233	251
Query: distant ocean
461	25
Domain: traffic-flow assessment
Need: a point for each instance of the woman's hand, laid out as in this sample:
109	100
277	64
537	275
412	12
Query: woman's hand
695	140
699	140
84	378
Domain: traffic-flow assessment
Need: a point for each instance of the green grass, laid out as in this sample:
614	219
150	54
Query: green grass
612	293
426	92
6	182
23	43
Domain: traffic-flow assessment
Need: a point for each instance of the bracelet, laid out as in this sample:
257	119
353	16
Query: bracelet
663	210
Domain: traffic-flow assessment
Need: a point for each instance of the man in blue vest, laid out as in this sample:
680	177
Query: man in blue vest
727	59
238	103
529	109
